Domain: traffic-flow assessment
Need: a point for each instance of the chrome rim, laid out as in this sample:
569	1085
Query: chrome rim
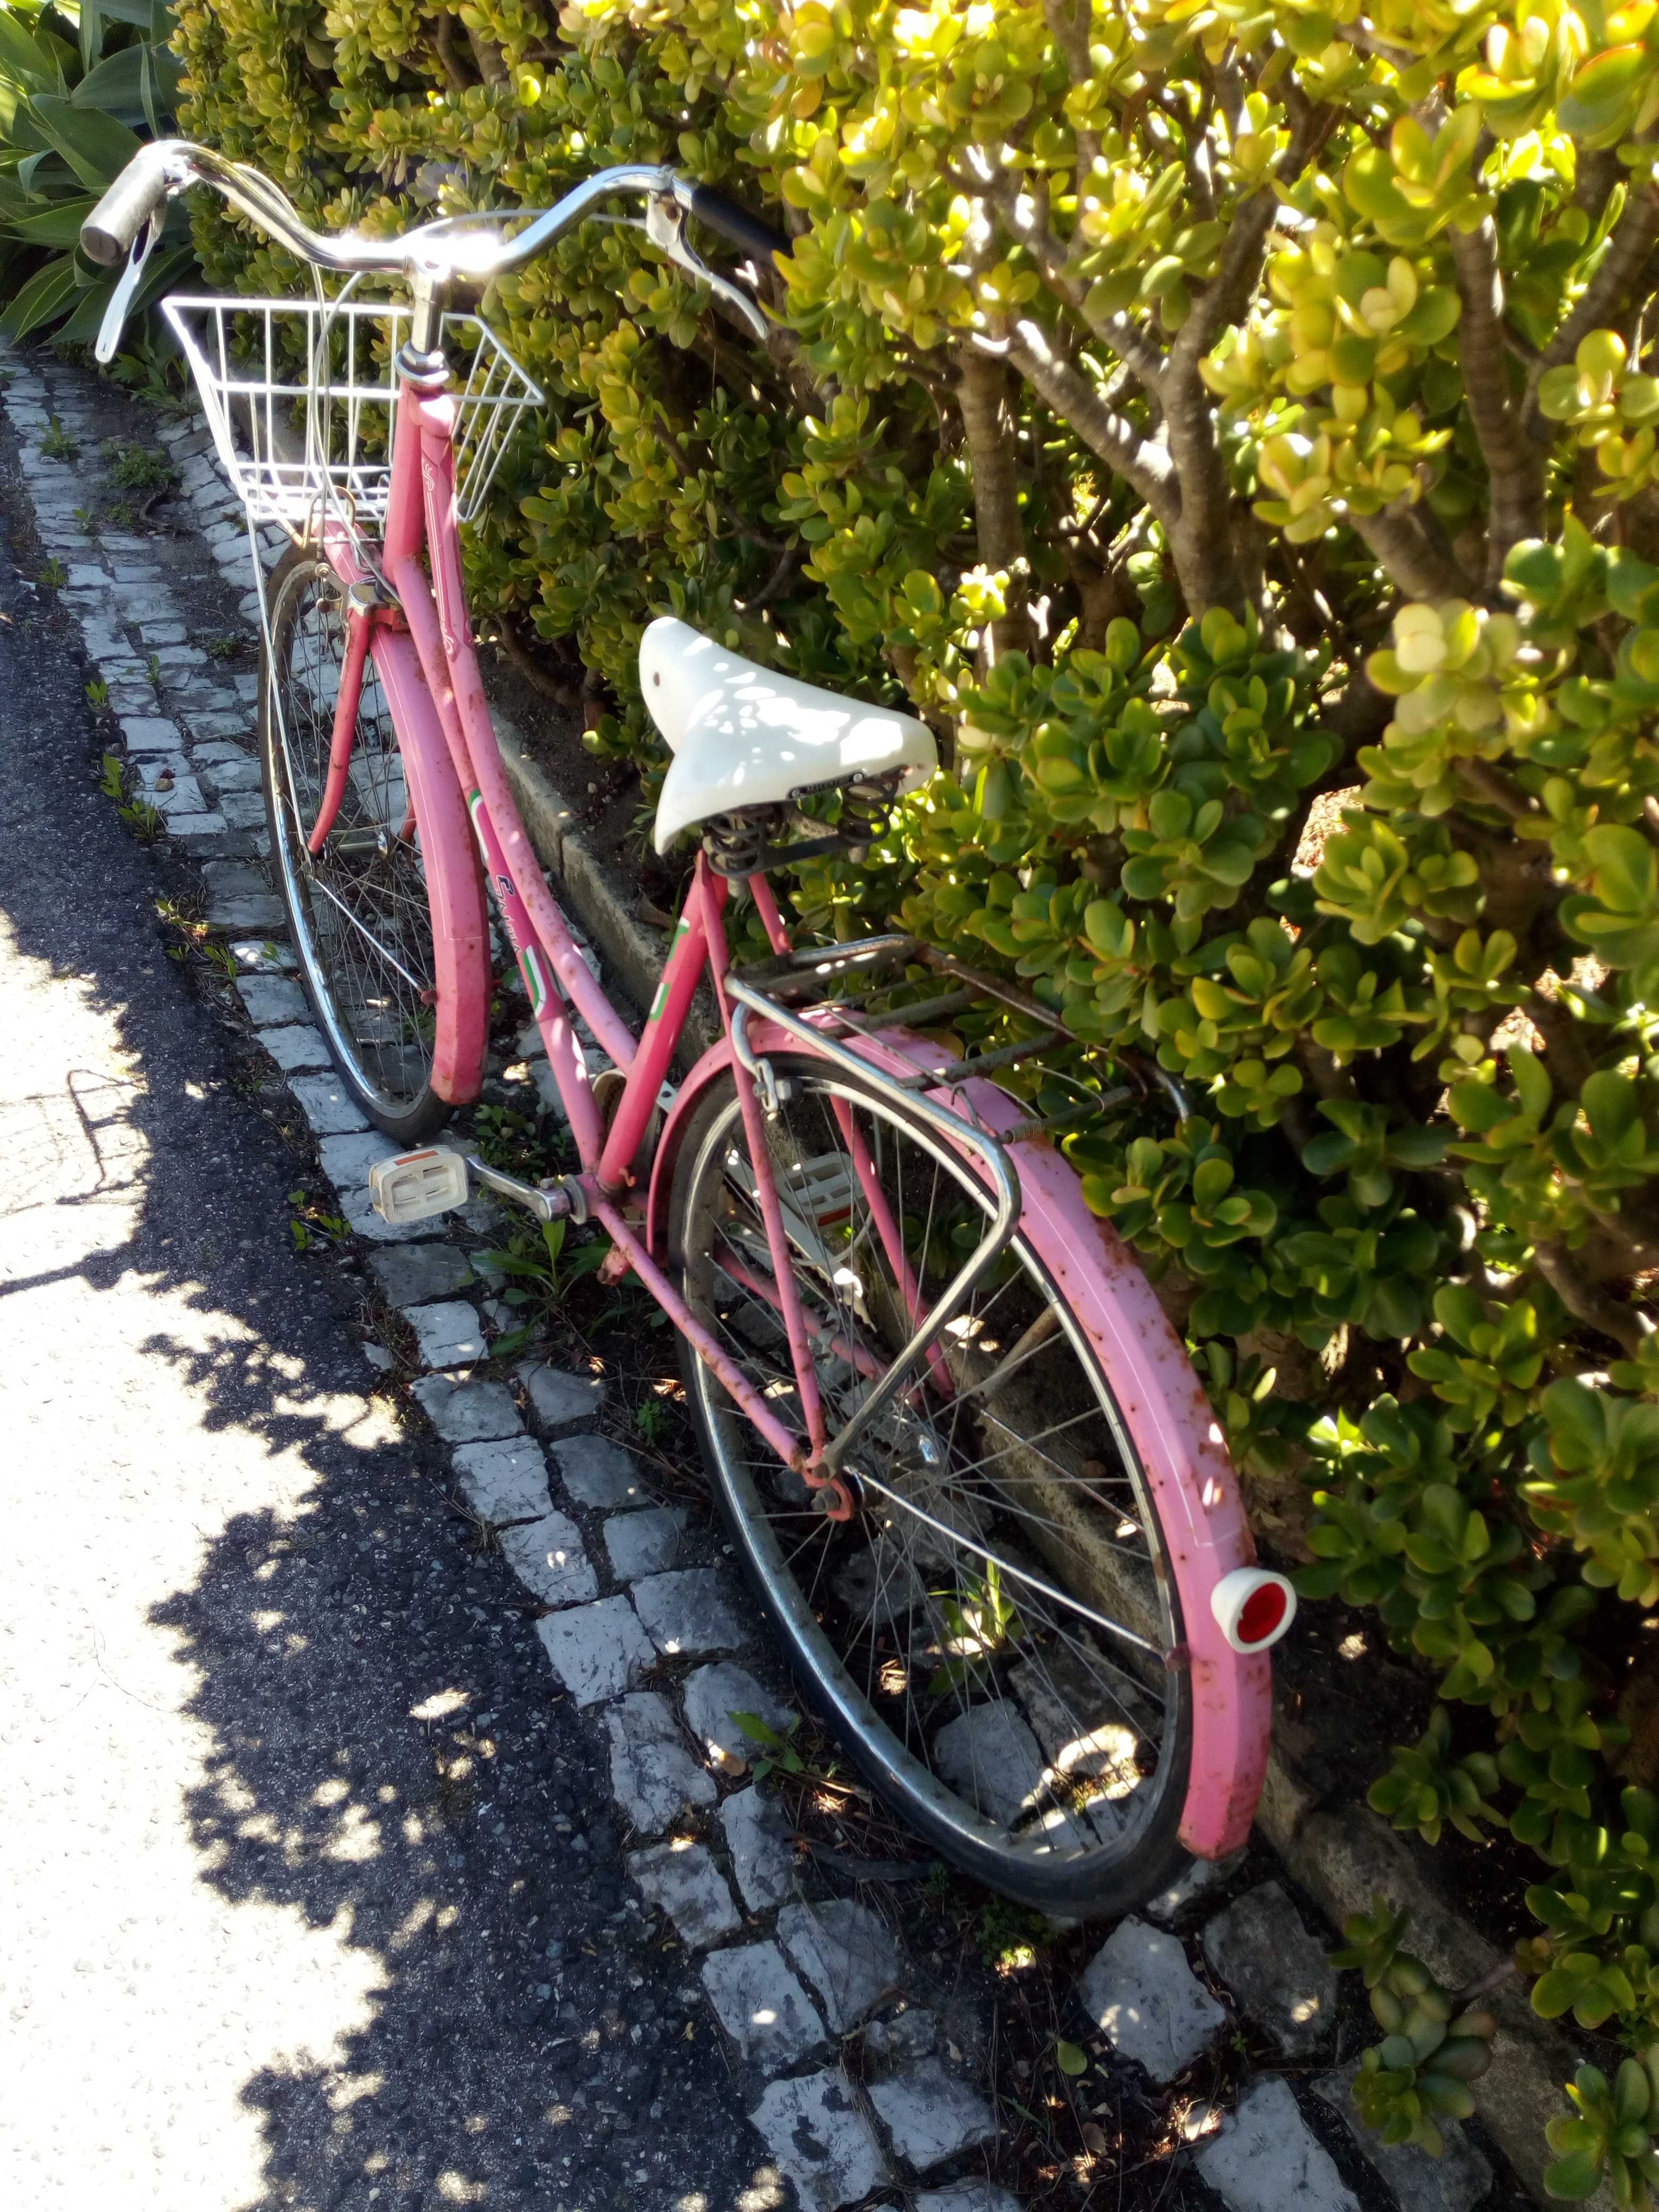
362	923
993	1624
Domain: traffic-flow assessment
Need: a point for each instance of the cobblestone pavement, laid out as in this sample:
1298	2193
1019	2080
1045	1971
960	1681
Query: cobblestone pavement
359	1863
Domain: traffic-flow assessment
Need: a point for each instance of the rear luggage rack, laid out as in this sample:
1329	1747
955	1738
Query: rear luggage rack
804	976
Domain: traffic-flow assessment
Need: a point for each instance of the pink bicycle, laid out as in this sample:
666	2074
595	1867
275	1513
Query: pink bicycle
963	1457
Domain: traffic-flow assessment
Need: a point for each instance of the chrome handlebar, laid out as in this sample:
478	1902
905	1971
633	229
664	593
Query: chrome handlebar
467	248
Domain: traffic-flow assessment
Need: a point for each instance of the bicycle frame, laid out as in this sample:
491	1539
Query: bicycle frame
449	745
421	644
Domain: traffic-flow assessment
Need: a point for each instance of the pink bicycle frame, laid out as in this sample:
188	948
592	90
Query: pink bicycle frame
424	651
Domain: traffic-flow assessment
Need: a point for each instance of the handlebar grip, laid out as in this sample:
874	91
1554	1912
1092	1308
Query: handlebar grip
107	233
737	225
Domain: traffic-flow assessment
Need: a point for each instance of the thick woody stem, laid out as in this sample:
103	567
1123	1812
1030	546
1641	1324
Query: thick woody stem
1605	297
1022	218
1416	563
550	687
1224	297
491	67
1571	1061
987	420
1068	26
1514	462
1597	1308
443	41
1204	546
1068	392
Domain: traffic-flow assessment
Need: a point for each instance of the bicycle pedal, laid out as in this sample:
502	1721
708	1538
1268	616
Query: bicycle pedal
416	1185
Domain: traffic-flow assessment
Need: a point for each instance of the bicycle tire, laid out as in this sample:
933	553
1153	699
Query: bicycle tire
1098	1832
359	913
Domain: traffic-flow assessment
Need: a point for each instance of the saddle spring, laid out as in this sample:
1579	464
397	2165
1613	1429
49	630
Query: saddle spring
745	843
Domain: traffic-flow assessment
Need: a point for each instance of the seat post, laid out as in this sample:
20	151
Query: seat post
766	905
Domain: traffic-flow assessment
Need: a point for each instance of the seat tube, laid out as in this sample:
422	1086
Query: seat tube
766	1189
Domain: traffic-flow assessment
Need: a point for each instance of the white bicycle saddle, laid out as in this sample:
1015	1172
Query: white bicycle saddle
742	736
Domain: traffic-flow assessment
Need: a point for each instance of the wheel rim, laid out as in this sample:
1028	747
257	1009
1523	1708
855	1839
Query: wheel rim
362	924
993	1625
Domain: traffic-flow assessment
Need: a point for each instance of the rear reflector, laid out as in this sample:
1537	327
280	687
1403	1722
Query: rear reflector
1252	1608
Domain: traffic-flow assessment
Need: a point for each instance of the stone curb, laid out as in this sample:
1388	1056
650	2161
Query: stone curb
802	1967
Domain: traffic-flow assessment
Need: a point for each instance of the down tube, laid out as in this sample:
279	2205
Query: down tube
460	927
547	999
682	973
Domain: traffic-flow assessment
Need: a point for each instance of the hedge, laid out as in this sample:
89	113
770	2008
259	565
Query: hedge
1229	422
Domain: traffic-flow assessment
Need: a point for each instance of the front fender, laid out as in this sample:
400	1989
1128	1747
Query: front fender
1160	1399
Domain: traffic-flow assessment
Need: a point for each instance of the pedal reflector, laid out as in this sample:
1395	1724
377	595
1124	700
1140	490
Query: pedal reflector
415	1185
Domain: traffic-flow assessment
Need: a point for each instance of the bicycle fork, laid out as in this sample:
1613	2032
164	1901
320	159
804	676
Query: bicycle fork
366	604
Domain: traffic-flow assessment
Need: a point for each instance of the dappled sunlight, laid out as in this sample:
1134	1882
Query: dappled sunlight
122	1483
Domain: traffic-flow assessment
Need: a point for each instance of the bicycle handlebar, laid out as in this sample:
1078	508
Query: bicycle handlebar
109	231
733	224
477	251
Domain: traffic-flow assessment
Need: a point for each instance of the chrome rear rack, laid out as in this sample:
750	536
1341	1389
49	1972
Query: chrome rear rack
806	977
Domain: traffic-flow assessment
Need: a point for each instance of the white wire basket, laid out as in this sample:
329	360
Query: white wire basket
301	395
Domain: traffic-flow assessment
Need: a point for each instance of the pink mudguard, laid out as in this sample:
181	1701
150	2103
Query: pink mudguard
1163	1405
460	926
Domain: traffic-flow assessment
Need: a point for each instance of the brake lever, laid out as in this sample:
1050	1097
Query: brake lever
120	299
665	226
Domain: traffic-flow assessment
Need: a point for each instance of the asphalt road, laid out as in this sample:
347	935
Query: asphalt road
290	1917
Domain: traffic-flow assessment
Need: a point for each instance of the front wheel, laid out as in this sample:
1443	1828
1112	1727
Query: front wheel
991	1634
358	908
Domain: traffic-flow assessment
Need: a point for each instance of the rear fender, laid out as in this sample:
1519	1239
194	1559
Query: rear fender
1160	1398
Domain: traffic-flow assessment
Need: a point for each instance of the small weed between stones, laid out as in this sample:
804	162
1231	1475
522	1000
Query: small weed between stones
137	815
199	952
310	1225
531	1146
653	1417
58	445
135	467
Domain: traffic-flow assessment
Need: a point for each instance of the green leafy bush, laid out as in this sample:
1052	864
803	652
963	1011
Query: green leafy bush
1233	428
75	96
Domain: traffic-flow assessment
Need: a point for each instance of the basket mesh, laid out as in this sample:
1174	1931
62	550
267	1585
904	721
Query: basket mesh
302	395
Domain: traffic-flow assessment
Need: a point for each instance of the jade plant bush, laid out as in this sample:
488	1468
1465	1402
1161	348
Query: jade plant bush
1234	425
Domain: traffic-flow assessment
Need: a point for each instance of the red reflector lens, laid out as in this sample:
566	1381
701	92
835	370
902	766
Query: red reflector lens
1260	1613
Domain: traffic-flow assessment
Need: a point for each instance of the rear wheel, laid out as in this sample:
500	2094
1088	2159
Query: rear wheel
358	908
988	1633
